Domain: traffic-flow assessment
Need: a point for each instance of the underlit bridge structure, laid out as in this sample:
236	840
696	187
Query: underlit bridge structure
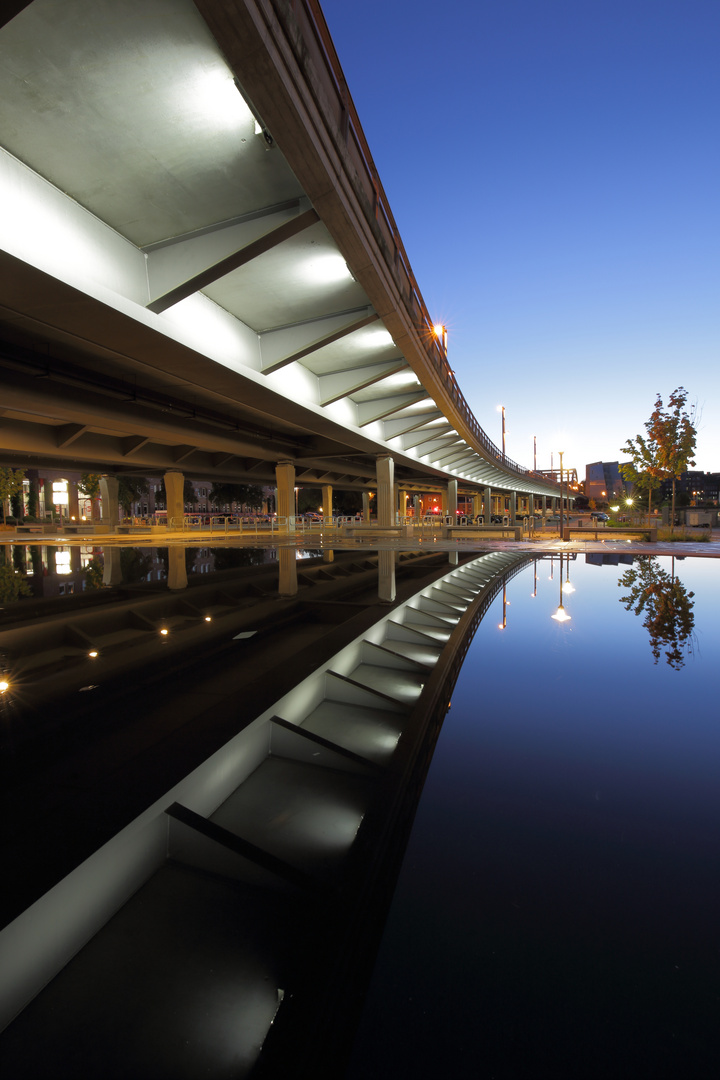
200	271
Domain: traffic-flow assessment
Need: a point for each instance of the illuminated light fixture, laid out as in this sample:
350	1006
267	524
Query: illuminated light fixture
440	332
163	631
208	618
93	653
561	614
327	269
4	685
378	339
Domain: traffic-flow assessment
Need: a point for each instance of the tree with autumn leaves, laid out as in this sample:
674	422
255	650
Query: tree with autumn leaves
667	450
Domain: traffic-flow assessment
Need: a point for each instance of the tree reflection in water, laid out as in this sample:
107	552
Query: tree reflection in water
667	605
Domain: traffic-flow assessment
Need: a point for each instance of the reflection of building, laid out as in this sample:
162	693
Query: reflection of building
603	481
57	494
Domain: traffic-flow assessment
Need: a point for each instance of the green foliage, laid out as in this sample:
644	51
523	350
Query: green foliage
643	470
131	489
33	501
222	494
10	485
669	448
12	584
231	558
93	573
135	565
90	487
666	605
695	536
90	484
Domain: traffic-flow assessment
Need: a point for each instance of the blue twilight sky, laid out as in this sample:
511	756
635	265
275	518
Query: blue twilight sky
554	170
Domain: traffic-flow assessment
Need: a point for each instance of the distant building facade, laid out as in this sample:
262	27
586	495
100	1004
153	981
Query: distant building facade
695	488
604	481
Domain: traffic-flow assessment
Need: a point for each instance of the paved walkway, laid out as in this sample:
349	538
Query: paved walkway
331	540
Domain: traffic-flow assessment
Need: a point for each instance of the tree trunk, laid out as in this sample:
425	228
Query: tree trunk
672	511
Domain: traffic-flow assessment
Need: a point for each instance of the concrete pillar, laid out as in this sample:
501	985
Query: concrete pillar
110	501
443	501
112	567
386	577
287	562
451	499
327	500
73	500
487	505
531	506
285	477
543	509
386	491
177	568
477	505
366	507
417	506
513	507
402	503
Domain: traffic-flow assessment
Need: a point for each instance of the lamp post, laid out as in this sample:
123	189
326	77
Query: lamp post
561	452
440	332
561	614
501	409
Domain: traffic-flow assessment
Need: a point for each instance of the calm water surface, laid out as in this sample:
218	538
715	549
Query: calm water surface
558	911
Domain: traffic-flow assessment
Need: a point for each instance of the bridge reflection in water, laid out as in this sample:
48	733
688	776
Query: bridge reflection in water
229	928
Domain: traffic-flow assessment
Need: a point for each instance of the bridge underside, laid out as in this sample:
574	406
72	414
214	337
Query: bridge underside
199	269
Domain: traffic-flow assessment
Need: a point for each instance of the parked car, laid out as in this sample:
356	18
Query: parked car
596	516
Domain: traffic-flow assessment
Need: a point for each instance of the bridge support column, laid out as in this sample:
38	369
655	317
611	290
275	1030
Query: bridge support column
402	503
531	506
386	491
112	566
386	577
417	506
110	501
513	507
477	505
174	486
285	479
543	508
327	500
287	563
177	569
451	499
366	507
487	505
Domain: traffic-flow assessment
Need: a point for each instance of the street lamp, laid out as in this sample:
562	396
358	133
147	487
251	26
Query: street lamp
561	614
501	409
561	452
440	333
503	624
